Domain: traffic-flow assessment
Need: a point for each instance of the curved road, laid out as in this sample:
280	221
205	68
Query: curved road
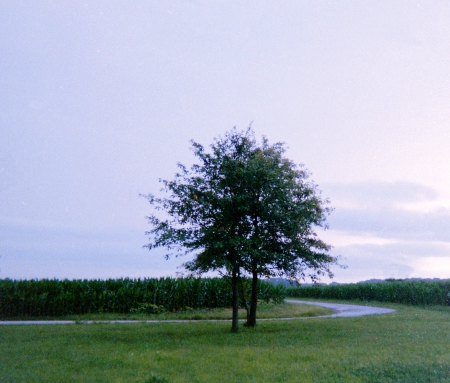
340	310
346	310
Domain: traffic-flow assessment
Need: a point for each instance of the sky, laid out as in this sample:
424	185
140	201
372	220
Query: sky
100	99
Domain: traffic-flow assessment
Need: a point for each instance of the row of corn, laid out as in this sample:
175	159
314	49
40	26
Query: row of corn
406	292
56	298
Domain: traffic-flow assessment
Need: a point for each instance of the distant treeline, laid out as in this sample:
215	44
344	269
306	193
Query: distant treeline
413	293
57	298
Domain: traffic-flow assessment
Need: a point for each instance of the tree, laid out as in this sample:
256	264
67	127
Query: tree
245	210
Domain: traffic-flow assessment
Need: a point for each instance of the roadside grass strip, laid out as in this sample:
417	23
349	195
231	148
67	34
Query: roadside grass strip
266	311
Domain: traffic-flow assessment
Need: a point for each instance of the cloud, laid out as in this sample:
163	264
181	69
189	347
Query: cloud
43	250
378	209
393	260
10	175
389	230
393	223
376	194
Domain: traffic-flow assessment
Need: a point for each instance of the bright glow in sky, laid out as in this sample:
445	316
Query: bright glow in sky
98	100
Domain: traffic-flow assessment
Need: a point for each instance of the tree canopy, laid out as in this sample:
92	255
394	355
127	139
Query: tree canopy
244	209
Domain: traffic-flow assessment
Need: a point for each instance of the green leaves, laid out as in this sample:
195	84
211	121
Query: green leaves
244	209
243	198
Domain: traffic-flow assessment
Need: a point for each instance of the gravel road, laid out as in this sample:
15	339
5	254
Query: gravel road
345	310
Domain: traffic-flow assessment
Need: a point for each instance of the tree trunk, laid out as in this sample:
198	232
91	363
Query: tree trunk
251	321
235	299
243	297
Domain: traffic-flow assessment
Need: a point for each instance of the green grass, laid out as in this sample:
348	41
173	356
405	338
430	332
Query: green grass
410	345
265	310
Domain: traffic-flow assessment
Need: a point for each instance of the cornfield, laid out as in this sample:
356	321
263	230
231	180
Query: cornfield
412	293
57	298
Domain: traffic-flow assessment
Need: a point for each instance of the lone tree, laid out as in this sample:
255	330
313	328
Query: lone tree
244	210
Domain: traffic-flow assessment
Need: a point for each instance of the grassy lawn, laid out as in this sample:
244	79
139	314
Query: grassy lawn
265	310
410	345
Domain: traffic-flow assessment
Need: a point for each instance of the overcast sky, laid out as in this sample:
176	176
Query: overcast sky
99	99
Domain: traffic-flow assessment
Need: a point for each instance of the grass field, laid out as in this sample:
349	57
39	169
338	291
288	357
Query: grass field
265	310
410	345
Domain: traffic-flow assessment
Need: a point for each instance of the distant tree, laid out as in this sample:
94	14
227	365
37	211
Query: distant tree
245	210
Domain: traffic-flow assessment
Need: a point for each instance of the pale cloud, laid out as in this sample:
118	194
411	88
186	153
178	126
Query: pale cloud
389	230
376	194
393	223
51	251
339	238
99	101
425	206
394	211
437	267
402	259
